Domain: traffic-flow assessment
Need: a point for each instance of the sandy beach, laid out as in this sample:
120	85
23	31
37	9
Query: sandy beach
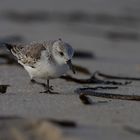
110	31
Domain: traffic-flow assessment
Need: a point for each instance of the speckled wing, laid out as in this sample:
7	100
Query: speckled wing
27	54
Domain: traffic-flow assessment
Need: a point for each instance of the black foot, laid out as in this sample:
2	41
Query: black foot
48	89
49	92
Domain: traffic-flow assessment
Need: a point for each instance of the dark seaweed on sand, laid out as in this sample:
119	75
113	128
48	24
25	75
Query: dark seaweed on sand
132	130
3	88
81	69
83	54
8	58
93	92
107	76
94	79
84	99
63	123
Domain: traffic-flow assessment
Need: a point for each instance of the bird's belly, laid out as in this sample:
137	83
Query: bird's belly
47	71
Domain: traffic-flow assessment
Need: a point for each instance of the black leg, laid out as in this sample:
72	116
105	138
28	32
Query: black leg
48	85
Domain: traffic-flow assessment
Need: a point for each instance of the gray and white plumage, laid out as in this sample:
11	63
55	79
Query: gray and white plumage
46	60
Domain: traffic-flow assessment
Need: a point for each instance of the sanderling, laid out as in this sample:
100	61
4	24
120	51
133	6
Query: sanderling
46	60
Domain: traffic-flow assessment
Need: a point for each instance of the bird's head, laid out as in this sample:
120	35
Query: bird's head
63	53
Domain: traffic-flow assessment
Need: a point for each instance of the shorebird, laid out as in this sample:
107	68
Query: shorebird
46	60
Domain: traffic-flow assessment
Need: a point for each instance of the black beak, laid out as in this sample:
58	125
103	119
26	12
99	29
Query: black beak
71	66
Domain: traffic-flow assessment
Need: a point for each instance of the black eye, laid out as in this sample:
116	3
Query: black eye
61	53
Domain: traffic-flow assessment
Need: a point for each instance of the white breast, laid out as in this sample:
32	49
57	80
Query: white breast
45	70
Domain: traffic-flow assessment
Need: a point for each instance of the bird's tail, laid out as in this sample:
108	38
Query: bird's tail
12	48
8	46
